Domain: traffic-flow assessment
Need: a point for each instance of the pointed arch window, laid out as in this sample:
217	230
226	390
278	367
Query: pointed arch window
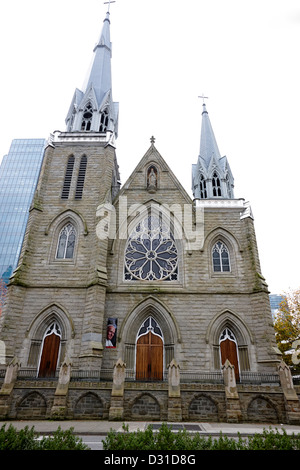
68	178
86	123
103	121
151	253
150	325
216	184
203	191
220	257
66	242
81	177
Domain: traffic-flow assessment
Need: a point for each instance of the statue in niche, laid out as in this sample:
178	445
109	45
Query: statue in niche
152	179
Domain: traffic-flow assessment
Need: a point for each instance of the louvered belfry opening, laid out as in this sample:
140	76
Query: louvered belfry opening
81	178
68	178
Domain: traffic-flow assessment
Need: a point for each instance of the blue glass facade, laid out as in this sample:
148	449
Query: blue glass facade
275	301
19	173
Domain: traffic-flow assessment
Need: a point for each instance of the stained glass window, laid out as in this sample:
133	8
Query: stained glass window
151	253
150	325
220	255
66	242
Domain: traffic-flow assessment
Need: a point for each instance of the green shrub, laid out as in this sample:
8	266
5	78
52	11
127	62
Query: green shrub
274	440
11	439
165	439
27	439
62	440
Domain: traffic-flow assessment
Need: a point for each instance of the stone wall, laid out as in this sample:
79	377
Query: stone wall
148	402
83	292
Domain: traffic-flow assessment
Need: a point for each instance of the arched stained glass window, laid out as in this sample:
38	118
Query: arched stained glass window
150	325
151	253
220	256
66	242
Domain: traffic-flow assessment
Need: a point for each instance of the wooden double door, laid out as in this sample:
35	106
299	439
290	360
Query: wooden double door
149	357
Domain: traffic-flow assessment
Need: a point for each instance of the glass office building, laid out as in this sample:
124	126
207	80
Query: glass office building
275	301
19	173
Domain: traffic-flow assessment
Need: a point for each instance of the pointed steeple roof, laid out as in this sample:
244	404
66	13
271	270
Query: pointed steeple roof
93	109
211	175
100	74
208	143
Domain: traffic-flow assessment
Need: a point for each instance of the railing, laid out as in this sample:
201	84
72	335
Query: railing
186	376
89	375
259	378
201	377
32	374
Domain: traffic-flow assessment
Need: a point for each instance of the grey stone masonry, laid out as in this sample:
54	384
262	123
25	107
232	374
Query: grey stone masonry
71	290
188	316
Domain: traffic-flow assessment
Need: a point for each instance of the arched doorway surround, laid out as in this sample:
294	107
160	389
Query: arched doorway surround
132	334
38	331
229	328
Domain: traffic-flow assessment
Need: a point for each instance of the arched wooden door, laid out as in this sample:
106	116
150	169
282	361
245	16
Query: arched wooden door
228	350
49	356
149	351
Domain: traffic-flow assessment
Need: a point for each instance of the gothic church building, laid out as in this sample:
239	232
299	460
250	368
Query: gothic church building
138	302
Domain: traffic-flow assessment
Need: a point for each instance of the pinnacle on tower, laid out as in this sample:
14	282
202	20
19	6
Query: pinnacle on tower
93	109
211	175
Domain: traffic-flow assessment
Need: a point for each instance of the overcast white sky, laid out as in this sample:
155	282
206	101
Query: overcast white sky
242	54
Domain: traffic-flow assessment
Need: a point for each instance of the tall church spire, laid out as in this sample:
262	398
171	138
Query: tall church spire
211	175
208	143
92	109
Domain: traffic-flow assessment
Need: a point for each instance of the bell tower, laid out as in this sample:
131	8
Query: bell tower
62	275
93	109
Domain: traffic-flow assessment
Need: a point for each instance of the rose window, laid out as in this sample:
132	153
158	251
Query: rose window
151	253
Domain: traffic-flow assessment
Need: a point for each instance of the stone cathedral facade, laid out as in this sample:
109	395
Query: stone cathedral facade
138	301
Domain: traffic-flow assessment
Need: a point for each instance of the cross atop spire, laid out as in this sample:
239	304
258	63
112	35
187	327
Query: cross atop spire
108	3
203	97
